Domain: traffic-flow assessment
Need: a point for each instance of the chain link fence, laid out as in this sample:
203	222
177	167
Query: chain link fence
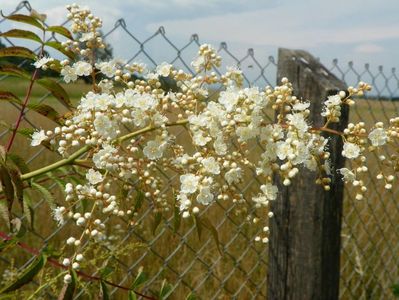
370	232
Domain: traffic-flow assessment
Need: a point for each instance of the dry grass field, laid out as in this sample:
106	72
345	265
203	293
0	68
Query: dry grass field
370	230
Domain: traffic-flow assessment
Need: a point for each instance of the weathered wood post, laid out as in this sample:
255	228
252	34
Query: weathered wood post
304	249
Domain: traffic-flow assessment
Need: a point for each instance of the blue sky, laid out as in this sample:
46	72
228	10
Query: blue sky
350	30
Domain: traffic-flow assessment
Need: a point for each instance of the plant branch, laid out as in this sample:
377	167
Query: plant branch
83	150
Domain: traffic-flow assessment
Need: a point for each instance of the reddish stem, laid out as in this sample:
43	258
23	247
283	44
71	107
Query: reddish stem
21	113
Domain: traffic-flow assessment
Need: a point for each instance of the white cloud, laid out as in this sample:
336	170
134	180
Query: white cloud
368	48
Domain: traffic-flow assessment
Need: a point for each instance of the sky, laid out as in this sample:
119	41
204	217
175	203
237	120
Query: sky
362	31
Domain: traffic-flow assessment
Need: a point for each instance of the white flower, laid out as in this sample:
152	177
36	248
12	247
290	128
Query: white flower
86	36
38	137
211	165
42	62
154	149
94	177
82	68
233	176
69	74
378	137
100	158
205	196
351	150
58	215
269	190
106	127
333	101
199	138
198	63
260	200
284	150
300	106
107	68
163	69
347	174
298	121
145	102
185	203
229	99
189	183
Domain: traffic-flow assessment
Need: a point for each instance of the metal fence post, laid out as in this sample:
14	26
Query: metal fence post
304	250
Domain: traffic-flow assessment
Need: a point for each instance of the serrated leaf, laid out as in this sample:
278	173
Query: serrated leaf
16	51
58	46
46	194
104	294
156	221
24	19
12	70
19	162
56	90
68	290
140	279
60	30
166	290
47	111
21	34
27	275
29	212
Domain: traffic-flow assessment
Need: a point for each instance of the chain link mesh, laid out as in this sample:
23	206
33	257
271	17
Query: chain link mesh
370	235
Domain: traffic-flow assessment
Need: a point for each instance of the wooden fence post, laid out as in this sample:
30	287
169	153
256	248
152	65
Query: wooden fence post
304	249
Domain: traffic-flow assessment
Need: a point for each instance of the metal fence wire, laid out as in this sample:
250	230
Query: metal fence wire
370	231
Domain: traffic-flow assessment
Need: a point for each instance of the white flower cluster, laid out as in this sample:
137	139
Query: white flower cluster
127	136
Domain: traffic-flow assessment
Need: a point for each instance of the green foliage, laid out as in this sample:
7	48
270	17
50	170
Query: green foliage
27	275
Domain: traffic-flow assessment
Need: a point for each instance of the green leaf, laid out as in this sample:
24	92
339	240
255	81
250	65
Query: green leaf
140	279
57	46
60	30
12	70
198	225
10	97
138	201
46	194
104	294
19	162
18	52
47	111
68	290
18	186
166	290
56	90
21	34
6	245
131	296
156	221
24	19
191	296
176	219
29	212
106	271
7	187
5	213
27	275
